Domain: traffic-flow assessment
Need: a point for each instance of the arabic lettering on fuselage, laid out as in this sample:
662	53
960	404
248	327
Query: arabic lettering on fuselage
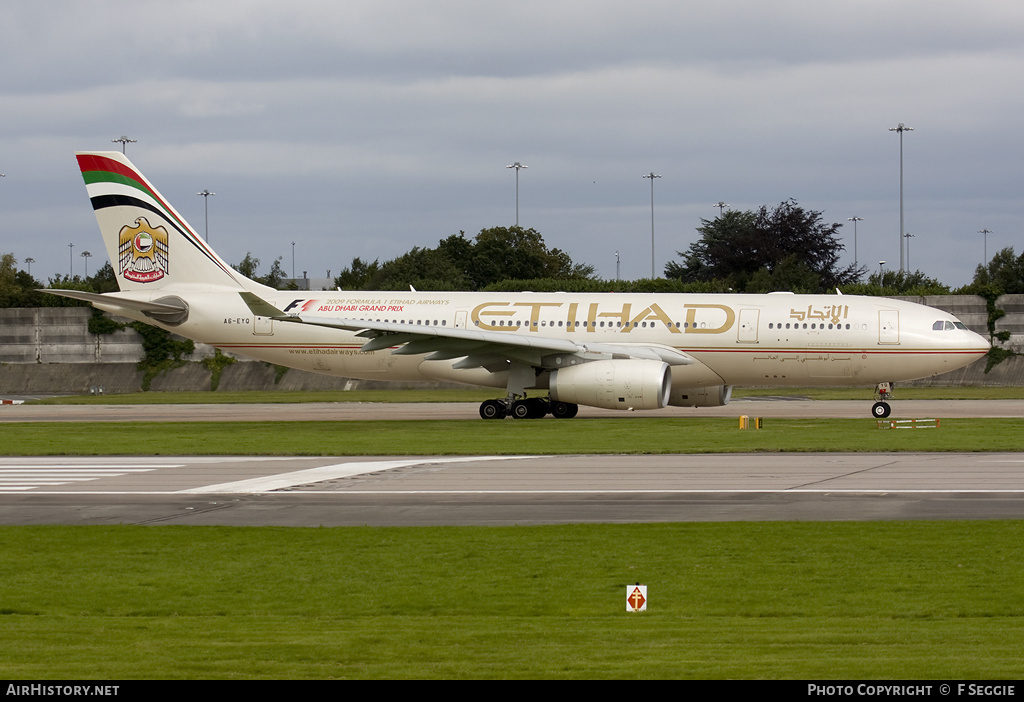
831	313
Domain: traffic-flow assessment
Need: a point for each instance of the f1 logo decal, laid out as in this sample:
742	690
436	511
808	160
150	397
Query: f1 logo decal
292	305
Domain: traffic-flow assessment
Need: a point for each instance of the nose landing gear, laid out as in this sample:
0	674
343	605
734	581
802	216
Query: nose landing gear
881	409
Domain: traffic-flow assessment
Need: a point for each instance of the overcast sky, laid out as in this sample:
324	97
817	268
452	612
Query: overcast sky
366	128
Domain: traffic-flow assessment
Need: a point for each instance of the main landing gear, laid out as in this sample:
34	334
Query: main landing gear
527	408
881	409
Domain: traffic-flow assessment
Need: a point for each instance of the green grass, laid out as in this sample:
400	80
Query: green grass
481	394
886	600
475	436
921	600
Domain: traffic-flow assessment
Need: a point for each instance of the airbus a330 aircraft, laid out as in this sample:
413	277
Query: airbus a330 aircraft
550	352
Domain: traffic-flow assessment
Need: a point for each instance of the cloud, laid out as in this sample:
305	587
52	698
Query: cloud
372	127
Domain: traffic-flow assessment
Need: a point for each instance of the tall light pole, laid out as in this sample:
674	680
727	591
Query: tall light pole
30	261
71	259
124	141
721	205
652	175
518	166
881	275
206	208
86	255
986	232
855	219
901	128
616	265
908	236
293	260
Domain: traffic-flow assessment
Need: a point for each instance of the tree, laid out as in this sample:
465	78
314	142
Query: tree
104	280
359	276
1004	273
458	263
515	253
786	248
249	265
889	283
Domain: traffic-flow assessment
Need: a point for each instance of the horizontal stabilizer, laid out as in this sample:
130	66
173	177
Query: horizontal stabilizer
170	309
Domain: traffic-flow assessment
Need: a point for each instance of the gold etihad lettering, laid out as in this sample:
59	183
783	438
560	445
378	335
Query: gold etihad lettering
692	324
697	316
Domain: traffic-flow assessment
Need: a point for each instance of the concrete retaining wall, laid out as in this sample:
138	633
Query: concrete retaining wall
111	378
61	335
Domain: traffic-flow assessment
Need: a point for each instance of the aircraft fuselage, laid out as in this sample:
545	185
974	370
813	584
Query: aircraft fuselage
776	339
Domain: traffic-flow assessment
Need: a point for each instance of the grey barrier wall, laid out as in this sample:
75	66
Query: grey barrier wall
50	350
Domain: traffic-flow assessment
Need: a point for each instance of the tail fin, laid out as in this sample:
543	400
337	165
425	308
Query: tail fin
150	245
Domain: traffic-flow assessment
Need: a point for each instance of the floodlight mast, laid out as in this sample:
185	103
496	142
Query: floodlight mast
901	128
855	219
652	175
985	232
206	209
124	141
518	166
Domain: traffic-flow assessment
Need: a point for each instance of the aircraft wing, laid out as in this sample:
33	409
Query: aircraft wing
476	347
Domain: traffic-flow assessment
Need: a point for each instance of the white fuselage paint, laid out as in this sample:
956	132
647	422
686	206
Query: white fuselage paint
776	339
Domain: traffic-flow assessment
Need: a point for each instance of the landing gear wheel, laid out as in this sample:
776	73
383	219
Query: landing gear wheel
492	409
539	407
564	410
881	410
520	409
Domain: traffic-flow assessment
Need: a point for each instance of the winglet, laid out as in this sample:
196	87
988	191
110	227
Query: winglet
260	307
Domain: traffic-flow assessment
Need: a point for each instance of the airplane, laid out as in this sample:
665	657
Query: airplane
550	352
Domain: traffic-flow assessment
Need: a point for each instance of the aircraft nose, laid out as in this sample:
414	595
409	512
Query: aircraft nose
976	342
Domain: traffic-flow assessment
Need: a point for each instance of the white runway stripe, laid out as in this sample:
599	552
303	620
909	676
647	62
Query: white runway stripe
18	478
270	483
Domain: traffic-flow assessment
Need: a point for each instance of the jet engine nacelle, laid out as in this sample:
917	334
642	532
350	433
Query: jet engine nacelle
614	384
711	396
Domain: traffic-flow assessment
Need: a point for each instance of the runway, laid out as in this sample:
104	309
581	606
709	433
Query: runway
503	490
350	411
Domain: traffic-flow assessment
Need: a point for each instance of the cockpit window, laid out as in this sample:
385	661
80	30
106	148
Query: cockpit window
960	325
937	326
